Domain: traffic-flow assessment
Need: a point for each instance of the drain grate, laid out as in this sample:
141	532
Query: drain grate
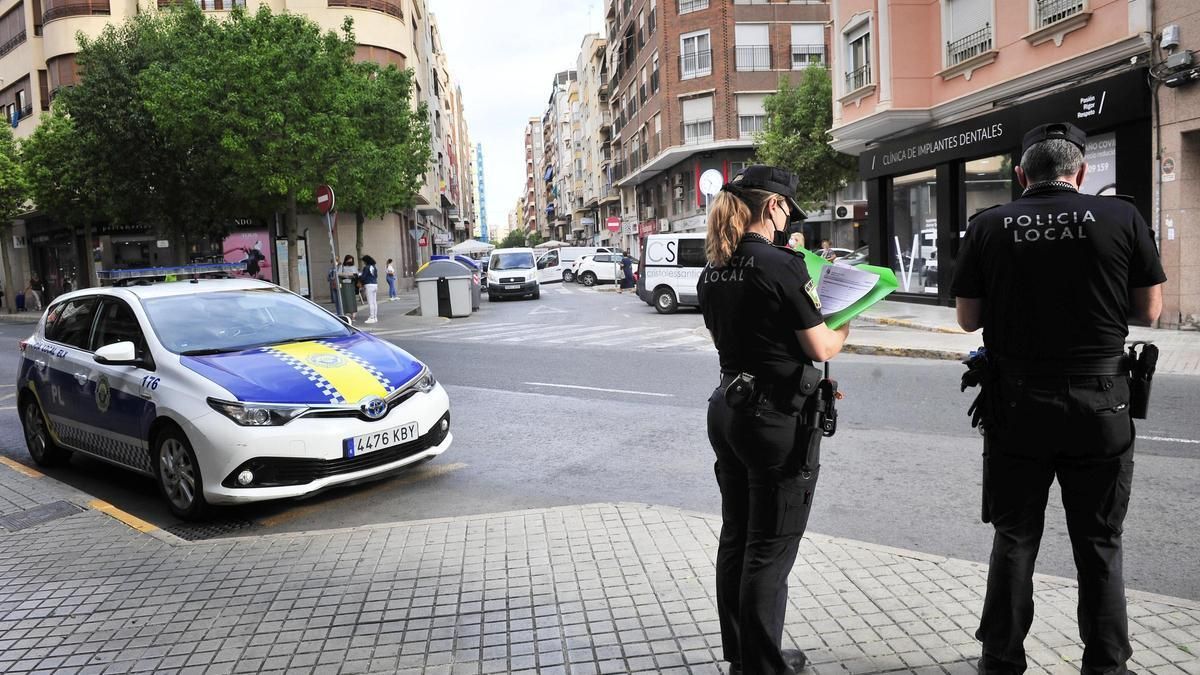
38	515
209	530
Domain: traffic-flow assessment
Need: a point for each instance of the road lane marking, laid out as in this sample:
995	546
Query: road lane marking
615	337
547	309
8	396
433	471
1165	439
609	391
21	468
8	407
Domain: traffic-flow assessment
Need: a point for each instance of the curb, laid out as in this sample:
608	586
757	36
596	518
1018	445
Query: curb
24	318
905	323
907	352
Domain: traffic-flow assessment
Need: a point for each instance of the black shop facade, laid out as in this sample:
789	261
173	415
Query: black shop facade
922	188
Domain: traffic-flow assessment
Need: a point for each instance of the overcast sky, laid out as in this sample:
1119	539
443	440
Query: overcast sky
504	55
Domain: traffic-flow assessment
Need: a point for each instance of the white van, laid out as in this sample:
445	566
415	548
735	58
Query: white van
513	272
669	270
555	264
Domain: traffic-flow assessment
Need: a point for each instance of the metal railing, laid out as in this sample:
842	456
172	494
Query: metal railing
695	64
686	6
393	7
804	56
752	57
698	131
858	78
969	46
12	43
57	9
1053	11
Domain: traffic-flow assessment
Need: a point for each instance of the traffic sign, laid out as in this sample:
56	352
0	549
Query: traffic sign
613	223
423	242
325	199
711	181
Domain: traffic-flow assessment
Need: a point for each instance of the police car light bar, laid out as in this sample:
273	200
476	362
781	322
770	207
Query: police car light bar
170	271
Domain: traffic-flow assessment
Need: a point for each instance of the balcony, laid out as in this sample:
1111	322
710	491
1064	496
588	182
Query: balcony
686	6
804	56
391	7
12	43
698	131
858	78
618	170
1052	11
695	64
606	121
57	9
969	47
751	58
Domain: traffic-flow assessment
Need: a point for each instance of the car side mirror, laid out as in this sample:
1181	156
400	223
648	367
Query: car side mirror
118	354
541	264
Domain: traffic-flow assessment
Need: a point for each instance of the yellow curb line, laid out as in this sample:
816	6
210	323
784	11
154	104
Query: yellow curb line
127	518
21	468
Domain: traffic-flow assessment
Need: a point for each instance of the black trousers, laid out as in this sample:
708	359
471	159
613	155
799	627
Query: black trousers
765	501
1076	429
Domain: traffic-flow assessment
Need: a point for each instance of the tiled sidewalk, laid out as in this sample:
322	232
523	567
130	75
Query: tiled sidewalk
607	588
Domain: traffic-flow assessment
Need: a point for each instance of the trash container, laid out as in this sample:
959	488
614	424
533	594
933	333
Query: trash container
444	289
349	296
476	280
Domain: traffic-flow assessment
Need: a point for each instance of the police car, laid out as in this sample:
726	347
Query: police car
224	390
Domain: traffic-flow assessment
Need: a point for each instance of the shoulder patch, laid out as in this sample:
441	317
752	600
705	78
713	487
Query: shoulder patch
975	215
810	289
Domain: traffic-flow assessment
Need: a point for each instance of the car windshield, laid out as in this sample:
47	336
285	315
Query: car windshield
511	261
230	321
857	255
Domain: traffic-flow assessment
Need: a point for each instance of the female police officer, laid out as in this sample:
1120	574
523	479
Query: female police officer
764	315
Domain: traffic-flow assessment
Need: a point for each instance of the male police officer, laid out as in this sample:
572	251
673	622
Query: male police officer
1053	279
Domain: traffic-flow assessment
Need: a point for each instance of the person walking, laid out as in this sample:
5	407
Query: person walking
1055	389
391	281
764	315
626	272
370	281
348	274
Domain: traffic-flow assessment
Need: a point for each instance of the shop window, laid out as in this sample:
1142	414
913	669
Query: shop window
913	246
1101	155
987	182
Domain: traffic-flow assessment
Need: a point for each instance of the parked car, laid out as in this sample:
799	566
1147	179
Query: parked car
573	273
225	391
669	270
599	268
513	272
859	256
558	264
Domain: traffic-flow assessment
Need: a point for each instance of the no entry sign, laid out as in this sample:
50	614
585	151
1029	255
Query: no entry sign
324	199
613	223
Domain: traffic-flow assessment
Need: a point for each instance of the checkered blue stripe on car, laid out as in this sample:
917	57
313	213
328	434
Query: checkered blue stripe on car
375	372
327	389
104	445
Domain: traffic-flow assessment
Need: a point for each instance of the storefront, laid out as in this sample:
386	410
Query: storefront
922	188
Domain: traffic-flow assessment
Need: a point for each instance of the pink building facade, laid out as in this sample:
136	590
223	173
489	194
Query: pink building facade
933	96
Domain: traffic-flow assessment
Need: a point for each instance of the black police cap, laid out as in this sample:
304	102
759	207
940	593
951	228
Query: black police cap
1055	130
772	179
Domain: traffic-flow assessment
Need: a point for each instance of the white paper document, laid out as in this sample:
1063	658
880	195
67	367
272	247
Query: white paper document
841	286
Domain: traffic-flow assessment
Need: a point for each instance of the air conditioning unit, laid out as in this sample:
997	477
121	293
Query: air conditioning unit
842	212
664	225
647	213
677	179
678	192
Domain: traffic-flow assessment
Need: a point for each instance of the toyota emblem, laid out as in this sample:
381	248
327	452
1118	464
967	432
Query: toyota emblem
373	407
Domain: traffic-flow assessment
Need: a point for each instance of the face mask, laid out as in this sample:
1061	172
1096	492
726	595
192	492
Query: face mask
779	237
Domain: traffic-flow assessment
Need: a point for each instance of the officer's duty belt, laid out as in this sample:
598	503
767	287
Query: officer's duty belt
782	394
1113	365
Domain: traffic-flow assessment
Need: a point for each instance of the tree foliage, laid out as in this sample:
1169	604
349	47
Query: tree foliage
514	239
796	137
14	193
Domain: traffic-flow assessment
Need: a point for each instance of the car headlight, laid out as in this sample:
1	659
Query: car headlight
256	415
425	382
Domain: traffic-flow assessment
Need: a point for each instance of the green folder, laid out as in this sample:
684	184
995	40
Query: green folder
884	287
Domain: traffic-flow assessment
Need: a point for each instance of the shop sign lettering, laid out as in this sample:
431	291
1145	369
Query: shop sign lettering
943	144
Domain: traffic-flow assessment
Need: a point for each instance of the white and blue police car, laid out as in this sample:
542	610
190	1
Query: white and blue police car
225	391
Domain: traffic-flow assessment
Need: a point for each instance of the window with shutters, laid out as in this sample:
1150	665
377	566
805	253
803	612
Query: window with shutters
697	116
967	27
808	45
753	46
695	55
751	115
858	57
12	29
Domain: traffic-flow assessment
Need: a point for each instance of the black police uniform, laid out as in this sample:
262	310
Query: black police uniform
1054	270
753	306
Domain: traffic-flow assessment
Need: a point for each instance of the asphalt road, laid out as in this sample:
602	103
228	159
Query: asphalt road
586	396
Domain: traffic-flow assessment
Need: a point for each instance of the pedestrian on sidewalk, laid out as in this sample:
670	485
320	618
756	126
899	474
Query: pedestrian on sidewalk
764	315
348	274
391	279
1056	391
626	272
370	281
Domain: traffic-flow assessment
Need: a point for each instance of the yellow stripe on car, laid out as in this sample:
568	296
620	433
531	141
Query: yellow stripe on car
351	380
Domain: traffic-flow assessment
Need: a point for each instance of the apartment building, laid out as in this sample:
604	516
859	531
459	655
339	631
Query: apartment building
558	158
937	122
533	200
38	57
1177	178
688	80
592	127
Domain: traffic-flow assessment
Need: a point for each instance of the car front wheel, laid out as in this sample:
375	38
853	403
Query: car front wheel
568	276
178	475
42	448
665	301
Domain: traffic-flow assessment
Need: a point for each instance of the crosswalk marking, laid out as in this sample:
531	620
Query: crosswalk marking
580	334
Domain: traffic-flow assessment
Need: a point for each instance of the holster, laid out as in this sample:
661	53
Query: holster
744	391
979	374
1141	375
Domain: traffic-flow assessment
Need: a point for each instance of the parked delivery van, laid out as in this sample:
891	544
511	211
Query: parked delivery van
669	270
512	272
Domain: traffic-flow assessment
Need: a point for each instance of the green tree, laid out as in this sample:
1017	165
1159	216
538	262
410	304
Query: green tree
514	239
14	194
534	239
387	147
265	90
796	137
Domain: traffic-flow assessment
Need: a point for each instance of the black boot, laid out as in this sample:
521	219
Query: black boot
793	657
